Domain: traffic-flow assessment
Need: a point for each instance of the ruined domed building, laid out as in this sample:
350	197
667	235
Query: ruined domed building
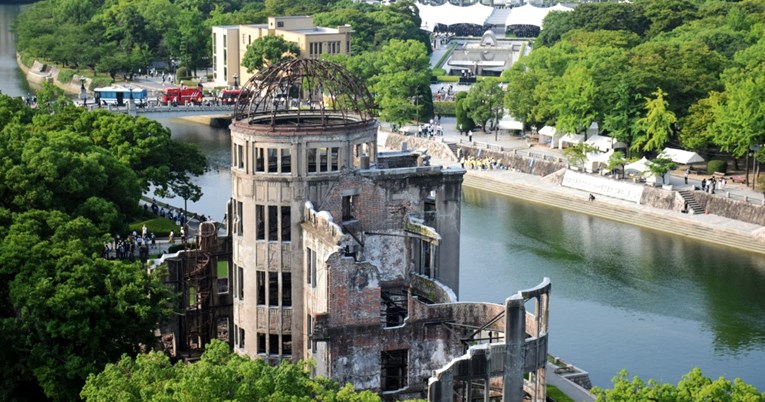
350	257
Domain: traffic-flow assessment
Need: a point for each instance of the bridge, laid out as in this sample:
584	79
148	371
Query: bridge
182	110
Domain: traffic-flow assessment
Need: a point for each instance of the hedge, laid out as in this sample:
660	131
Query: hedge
99	82
717	166
443	108
65	75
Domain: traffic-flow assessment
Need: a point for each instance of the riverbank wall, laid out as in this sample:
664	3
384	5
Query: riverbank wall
40	73
539	179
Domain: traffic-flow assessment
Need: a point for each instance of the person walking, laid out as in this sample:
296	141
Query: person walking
687	172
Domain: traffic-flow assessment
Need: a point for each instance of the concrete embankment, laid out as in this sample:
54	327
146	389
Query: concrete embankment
707	228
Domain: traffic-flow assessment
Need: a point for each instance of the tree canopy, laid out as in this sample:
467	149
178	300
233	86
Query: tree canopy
268	50
694	386
219	375
68	179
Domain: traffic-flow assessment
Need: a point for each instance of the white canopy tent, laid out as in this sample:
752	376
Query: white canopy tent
552	133
604	143
570	139
597	160
449	14
642	168
680	156
531	15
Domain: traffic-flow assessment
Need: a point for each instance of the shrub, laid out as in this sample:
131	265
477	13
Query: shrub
65	75
717	166
444	108
99	82
448	78
27	59
438	71
182	73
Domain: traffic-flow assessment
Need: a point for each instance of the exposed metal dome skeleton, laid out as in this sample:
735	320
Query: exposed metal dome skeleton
304	92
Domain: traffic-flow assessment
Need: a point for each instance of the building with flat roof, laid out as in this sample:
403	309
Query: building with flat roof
230	42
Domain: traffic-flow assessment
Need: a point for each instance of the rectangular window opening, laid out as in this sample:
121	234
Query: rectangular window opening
349	207
260	223
273	222
262	344
287	345
222	276
286	224
273	344
221	327
260	165
286	289
273	289
394	369
286	163
240	282
273	160
261	284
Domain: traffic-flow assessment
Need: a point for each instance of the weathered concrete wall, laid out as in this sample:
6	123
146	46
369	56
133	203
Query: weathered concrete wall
436	149
40	73
512	160
730	208
660	198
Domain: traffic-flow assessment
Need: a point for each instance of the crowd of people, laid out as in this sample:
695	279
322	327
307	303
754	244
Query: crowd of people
471	162
134	244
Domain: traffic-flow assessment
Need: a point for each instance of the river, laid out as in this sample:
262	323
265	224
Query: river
623	297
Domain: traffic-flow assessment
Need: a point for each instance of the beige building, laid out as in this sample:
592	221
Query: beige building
230	42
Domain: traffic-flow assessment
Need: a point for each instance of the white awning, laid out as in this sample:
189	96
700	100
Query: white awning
531	15
449	14
604	143
681	156
548	130
638	167
571	139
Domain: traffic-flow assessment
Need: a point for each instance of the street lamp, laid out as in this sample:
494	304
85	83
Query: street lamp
130	92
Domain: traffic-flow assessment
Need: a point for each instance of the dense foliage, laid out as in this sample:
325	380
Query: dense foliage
69	178
219	375
651	73
693	387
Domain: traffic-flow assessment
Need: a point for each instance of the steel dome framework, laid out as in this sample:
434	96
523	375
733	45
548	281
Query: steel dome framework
304	92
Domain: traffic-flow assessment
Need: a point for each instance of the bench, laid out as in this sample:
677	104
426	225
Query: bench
738	179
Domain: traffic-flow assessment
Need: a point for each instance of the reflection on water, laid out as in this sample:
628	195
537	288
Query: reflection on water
11	78
623	297
216	182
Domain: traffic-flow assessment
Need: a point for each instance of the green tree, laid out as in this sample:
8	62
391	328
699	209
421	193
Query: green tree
66	311
402	83
577	153
220	374
483	102
694	386
464	122
616	159
268	50
656	127
660	166
573	101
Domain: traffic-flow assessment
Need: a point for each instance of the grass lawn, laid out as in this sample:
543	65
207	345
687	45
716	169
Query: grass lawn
555	394
159	226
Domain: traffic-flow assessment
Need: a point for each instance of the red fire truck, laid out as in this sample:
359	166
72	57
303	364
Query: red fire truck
181	96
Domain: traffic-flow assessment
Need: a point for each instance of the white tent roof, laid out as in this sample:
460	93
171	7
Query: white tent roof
601	157
548	130
531	15
508	123
681	156
640	166
572	138
449	14
604	143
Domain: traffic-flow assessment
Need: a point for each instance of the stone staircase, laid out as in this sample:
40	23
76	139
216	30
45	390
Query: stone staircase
633	216
692	204
454	147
